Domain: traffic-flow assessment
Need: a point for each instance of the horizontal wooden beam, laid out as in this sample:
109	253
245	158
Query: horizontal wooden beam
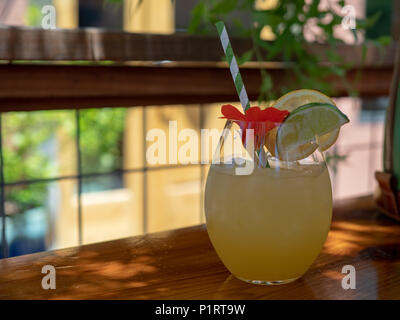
34	87
93	44
52	86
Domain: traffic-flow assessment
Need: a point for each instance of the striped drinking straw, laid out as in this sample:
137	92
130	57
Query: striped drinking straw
233	65
237	79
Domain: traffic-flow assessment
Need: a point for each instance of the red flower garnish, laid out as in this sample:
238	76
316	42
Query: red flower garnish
254	118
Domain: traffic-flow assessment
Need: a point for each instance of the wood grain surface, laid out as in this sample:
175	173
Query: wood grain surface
181	264
39	87
94	44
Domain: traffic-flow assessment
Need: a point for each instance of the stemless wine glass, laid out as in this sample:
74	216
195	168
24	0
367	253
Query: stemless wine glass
267	217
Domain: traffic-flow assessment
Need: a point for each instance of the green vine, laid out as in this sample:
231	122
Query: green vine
288	22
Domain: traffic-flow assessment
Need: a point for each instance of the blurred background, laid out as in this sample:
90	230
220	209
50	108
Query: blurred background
121	195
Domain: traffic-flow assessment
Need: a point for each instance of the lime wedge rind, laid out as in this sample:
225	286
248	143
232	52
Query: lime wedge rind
306	123
317	104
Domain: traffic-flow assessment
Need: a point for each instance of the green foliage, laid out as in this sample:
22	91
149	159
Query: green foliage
101	139
383	26
288	21
28	138
24	135
33	16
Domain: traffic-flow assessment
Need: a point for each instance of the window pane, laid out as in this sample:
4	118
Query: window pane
111	139
114	213
41	216
173	197
100	14
211	114
377	118
38	145
358	131
101	139
367	120
102	183
171	120
353	174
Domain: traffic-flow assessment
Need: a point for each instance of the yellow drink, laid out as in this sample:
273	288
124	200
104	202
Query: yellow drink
268	227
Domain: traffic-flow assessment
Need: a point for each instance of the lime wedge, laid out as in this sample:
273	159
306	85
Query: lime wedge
306	124
297	98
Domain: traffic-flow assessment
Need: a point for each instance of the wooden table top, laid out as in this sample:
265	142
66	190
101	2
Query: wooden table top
181	264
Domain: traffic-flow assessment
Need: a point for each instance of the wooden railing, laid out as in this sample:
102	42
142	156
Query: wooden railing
145	69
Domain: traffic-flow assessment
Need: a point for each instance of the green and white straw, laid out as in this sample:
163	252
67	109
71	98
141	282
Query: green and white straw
233	65
237	79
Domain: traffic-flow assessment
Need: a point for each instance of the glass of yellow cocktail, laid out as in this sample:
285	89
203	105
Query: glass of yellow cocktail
268	208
